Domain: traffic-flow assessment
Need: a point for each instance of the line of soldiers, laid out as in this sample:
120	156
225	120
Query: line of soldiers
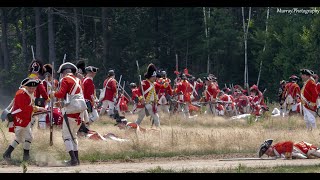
189	94
305	100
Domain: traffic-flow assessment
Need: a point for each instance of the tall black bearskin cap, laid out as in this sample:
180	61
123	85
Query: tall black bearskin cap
36	66
151	71
47	68
264	147
81	65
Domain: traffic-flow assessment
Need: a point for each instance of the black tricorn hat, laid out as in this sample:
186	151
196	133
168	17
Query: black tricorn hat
67	65
81	65
133	85
110	73
306	72
48	68
151	71
92	69
30	82
264	147
36	66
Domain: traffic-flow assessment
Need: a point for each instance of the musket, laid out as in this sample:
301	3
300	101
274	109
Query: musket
246	159
39	113
52	104
124	91
32	53
64	58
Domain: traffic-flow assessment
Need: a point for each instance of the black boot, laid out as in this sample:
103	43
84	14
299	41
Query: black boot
26	155
77	156
73	161
7	154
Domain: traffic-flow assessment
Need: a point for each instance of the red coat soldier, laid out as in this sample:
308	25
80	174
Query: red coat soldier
109	100
149	96
309	97
22	111
136	97
184	91
89	93
70	85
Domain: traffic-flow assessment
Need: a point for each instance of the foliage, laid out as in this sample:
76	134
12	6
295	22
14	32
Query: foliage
157	34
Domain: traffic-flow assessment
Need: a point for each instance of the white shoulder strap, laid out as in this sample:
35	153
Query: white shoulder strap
107	83
77	84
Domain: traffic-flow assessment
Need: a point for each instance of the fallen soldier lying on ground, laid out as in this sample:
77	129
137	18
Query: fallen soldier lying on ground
90	134
289	150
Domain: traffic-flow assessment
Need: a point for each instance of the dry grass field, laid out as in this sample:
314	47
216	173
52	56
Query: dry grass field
203	136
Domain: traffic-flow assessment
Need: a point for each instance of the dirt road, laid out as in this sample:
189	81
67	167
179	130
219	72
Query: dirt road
209	165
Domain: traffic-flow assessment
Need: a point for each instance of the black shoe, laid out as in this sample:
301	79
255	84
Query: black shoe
77	156
73	161
26	155
7	155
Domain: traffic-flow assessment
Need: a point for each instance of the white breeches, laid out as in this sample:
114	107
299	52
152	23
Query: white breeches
74	127
23	135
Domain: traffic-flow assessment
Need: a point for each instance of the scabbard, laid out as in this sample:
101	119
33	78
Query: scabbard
68	125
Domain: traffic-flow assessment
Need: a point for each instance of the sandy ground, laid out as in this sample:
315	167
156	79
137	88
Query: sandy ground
175	164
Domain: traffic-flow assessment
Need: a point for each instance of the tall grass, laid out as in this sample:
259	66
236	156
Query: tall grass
203	135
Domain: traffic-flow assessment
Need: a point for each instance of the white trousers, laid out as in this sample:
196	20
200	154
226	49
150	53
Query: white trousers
110	104
309	118
22	135
142	114
71	145
93	116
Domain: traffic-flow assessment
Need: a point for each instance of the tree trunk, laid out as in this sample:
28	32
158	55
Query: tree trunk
245	37
264	47
104	22
52	54
207	38
4	44
177	62
24	36
39	47
77	32
156	26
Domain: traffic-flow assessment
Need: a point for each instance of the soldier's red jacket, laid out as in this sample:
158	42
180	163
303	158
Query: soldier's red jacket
88	89
228	98
318	88
23	101
111	89
212	91
66	86
184	87
136	94
282	148
304	147
123	103
161	89
309	92
149	91
293	89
